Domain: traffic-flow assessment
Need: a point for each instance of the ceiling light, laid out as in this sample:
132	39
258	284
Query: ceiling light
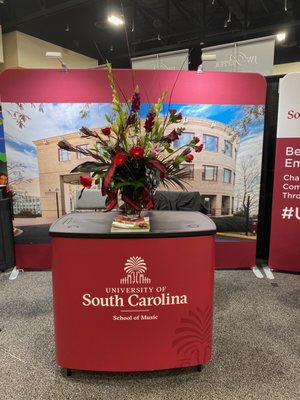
113	19
281	36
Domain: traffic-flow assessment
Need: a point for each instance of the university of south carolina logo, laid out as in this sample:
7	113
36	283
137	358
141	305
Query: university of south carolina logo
135	268
140	296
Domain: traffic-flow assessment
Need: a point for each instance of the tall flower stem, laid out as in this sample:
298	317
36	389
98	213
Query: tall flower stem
175	151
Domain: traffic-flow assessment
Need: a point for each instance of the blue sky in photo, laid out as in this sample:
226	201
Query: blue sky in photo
61	118
21	146
217	112
58	119
223	113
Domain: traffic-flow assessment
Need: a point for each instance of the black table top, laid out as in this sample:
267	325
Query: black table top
162	224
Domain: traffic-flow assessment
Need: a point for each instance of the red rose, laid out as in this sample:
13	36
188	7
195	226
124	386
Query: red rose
120	159
179	116
199	148
106	131
86	181
196	139
189	158
172	111
136	152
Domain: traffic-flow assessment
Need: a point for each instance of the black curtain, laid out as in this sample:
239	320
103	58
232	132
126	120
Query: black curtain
267	173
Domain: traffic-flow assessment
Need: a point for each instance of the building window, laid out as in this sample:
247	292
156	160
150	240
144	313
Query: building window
184	139
189	170
210	173
228	148
225	205
83	147
210	143
227	175
63	155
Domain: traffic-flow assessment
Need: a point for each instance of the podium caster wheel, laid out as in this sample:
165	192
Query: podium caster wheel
199	367
69	372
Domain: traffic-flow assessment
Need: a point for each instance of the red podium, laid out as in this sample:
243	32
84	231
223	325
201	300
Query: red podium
133	301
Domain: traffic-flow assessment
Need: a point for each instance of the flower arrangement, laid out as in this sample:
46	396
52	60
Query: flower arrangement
133	157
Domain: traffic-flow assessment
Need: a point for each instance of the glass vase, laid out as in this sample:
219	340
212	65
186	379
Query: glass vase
130	212
135	197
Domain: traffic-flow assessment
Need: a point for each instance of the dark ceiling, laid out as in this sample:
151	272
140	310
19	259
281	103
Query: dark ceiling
154	26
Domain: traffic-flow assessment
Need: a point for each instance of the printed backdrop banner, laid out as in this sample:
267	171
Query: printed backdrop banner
285	228
255	55
171	60
224	110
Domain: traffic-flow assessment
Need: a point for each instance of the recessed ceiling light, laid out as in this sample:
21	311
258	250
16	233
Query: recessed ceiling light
281	36
113	19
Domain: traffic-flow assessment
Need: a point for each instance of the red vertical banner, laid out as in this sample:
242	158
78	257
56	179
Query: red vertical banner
285	228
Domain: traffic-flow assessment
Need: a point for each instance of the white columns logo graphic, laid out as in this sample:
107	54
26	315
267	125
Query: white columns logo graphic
135	268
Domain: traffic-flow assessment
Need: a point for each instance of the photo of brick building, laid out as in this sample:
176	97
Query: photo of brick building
212	171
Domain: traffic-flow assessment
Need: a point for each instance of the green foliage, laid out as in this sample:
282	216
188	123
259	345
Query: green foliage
135	155
230	224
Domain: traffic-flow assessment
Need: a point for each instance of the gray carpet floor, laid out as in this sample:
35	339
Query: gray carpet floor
255	346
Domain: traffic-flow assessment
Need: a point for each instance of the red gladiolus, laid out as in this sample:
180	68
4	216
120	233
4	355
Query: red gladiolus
189	158
199	148
131	119
136	100
149	123
86	181
174	135
120	159
106	131
136	152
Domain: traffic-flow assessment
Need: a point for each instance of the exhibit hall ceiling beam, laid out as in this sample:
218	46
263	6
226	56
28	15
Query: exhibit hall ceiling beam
262	2
189	16
167	14
194	39
235	8
246	21
236	11
45	11
153	14
203	20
